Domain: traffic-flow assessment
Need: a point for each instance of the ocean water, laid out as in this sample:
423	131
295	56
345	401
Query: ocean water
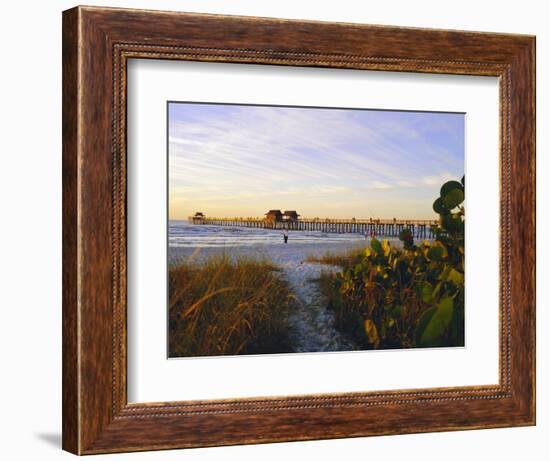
181	234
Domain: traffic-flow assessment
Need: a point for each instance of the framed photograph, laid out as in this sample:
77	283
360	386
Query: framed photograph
282	230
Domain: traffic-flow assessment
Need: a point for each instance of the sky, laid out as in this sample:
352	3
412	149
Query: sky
238	160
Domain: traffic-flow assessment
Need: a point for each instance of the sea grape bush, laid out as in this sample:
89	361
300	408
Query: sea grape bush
409	297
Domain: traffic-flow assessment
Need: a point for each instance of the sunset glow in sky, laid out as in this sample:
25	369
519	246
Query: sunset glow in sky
236	160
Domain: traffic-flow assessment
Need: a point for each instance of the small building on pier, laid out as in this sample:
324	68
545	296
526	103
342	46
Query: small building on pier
198	218
273	216
290	216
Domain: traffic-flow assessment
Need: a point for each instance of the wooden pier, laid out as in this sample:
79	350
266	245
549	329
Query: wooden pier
380	227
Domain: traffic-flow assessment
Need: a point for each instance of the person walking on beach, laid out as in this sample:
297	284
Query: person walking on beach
285	236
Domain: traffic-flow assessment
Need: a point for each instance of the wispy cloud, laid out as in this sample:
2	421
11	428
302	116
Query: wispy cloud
438	180
232	160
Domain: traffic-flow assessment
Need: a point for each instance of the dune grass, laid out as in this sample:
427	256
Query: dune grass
227	306
342	259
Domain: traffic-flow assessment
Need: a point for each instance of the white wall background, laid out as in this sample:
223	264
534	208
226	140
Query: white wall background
30	228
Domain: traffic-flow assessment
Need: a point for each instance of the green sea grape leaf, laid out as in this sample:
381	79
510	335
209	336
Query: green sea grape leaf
439	207
436	253
376	246
434	323
449	186
455	276
426	291
453	198
423	322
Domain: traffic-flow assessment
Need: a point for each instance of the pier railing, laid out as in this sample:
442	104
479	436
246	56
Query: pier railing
380	227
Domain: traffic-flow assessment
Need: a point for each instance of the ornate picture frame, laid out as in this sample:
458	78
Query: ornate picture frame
97	44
